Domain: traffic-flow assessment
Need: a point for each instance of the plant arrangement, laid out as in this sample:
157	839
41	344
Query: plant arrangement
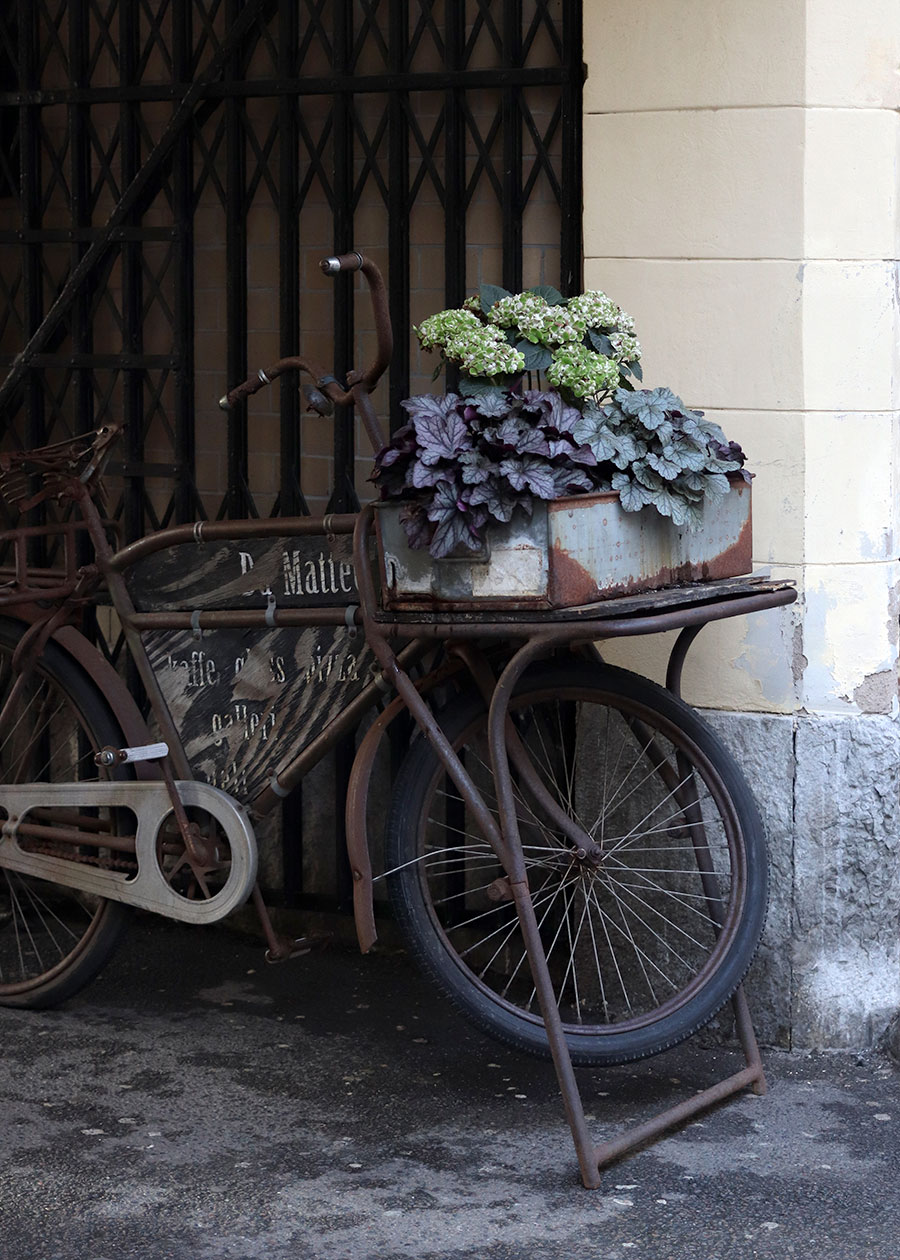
477	455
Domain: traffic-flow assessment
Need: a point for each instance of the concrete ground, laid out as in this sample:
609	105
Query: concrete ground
195	1102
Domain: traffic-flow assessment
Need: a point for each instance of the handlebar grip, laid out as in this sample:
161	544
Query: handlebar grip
342	262
251	386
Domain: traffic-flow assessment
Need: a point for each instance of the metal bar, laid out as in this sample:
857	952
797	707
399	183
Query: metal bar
511	110
398	210
181	116
89	233
677	657
289	776
236	501
132	284
186	499
315	85
80	181
571	159
290	497
290	494
221	531
747	1037
518	879
343	496
455	168
592	625
608	1152
73	836
30	191
246	618
91	359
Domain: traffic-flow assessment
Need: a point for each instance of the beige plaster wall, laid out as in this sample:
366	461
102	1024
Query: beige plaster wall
742	168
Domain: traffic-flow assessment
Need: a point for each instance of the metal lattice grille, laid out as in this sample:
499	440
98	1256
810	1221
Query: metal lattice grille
181	167
171	171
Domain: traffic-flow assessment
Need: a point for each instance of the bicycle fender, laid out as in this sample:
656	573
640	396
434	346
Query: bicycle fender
117	695
357	832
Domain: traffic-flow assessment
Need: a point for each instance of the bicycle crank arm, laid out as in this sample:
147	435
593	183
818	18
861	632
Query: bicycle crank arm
153	886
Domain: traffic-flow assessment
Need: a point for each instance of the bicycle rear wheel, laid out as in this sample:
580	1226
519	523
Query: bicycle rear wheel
645	940
53	939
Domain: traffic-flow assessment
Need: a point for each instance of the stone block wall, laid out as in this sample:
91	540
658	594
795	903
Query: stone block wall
750	163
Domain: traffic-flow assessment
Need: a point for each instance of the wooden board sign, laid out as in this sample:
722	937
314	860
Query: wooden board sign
315	571
234	692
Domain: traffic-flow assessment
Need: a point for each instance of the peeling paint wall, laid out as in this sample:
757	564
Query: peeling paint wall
753	235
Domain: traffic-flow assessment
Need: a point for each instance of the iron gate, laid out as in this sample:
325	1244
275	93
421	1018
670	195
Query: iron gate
171	170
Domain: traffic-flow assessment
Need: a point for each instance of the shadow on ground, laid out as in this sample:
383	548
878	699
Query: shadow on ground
195	1102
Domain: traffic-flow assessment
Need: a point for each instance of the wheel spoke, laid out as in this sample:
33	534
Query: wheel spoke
633	930
52	937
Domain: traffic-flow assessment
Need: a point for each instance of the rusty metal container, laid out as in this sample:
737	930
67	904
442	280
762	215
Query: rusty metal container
572	551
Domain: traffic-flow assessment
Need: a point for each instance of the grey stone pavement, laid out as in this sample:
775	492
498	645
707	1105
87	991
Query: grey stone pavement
195	1102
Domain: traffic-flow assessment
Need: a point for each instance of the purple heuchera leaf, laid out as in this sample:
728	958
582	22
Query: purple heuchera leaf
498	499
446	496
475	467
454	531
492	404
424	476
416	525
555	412
441	436
529	472
570	481
522	437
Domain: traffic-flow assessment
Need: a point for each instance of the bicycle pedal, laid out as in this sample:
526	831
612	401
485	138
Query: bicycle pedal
110	756
296	948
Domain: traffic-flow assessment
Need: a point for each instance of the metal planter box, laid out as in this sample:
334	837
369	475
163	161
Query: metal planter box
572	551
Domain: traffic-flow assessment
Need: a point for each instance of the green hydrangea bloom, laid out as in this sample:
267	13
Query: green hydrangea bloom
435	331
583	371
627	348
535	319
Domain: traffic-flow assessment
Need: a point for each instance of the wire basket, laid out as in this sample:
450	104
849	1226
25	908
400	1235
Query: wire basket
28	478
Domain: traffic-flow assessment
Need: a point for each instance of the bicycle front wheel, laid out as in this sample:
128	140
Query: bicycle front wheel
53	939
646	936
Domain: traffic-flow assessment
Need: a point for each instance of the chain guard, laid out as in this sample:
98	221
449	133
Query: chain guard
150	804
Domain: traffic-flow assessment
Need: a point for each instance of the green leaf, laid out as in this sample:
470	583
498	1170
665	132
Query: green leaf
667	468
473	387
437	371
693	513
631	495
551	296
722	465
491	402
537	357
648	406
601	343
629	448
636	370
688	455
647	476
593	430
491	293
715	486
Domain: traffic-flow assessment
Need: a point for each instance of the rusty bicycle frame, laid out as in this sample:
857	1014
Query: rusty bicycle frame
399	641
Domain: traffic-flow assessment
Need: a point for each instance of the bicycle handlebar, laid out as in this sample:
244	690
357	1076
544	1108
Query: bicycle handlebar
359	384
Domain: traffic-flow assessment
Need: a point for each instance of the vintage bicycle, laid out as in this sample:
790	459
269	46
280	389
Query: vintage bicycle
571	853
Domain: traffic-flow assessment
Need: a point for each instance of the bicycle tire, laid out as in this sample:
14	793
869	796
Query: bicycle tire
659	944
53	939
